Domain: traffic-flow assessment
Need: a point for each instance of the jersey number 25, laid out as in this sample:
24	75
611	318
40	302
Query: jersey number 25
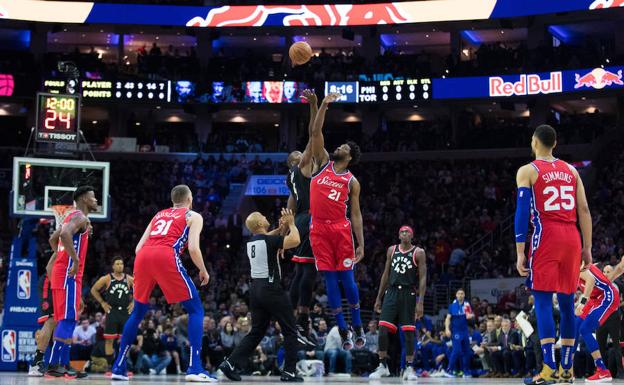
559	198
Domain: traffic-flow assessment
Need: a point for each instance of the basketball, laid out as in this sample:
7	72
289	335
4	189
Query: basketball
300	53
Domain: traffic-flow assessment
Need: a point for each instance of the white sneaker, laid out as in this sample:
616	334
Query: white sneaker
119	377
409	374
446	374
200	377
152	371
381	371
35	371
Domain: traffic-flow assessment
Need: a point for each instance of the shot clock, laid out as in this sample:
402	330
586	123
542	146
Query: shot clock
58	118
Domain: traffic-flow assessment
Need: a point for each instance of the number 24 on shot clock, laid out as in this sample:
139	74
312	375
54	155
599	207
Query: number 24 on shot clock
58	117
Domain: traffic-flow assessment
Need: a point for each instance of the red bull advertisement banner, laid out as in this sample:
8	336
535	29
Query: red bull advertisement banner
542	83
329	14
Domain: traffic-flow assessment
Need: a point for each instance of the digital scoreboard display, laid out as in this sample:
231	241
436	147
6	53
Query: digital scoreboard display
116	90
383	91
58	118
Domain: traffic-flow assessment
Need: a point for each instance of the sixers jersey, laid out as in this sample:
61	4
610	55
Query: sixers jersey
329	194
554	193
603	287
169	229
64	263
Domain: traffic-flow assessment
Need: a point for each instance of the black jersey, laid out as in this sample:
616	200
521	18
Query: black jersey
299	186
118	292
403	268
262	253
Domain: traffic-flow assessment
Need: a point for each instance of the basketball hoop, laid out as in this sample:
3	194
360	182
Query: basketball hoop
60	212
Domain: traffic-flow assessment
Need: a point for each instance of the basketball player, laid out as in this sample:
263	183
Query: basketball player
599	300
158	262
553	192
333	191
117	304
267	298
66	278
46	319
406	267
301	169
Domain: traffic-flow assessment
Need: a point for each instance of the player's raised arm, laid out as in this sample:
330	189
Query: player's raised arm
383	285
306	157
421	258
317	141
521	223
292	239
356	219
76	223
196	223
100	284
144	237
584	219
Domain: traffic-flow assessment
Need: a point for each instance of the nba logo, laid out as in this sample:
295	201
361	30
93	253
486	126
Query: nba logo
9	345
23	284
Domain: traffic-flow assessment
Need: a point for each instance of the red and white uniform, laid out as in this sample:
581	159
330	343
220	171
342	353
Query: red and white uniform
158	261
331	236
555	255
604	298
65	289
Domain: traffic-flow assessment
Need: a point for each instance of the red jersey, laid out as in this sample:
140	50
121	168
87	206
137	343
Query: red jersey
602	287
554	193
169	229
63	262
329	194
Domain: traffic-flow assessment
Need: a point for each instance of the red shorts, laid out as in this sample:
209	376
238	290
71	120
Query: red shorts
66	302
555	258
160	265
332	245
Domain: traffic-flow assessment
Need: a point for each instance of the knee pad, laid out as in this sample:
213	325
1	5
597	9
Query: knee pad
348	282
383	339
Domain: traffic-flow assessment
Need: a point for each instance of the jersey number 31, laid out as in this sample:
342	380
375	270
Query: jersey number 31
559	198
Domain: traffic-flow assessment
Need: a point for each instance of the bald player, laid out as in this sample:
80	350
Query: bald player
301	168
267	298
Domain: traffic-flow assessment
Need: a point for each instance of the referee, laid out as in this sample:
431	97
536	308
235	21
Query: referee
267	297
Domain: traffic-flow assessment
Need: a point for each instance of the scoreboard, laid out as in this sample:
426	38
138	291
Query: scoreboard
384	91
58	118
116	90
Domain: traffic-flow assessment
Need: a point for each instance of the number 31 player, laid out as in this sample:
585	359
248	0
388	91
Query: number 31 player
553	192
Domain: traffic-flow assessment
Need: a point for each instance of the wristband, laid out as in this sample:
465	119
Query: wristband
583	300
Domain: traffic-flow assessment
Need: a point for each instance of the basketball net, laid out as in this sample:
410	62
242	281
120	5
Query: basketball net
60	212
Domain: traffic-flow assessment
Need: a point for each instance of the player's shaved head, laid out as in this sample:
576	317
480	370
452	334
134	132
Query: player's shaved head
546	135
256	222
179	193
294	158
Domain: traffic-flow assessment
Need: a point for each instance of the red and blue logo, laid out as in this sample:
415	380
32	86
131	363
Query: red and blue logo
9	346
23	284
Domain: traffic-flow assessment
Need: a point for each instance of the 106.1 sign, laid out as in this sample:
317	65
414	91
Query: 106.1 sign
58	118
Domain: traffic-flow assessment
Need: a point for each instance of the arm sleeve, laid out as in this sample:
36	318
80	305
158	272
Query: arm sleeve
523	201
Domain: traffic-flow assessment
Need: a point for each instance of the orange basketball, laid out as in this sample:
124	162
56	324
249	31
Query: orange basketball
300	53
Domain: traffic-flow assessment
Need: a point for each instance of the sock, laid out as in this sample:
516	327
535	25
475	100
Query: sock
55	355
549	355
38	356
65	355
195	311
600	364
566	356
129	335
353	296
334	297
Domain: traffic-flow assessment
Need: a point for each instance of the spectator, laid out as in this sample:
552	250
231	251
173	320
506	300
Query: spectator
507	359
170	343
83	340
156	358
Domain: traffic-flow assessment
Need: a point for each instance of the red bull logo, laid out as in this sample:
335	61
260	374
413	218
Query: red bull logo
531	84
598	78
23	284
601	4
9	345
302	15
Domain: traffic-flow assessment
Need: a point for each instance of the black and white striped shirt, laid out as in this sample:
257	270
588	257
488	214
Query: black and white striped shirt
262	253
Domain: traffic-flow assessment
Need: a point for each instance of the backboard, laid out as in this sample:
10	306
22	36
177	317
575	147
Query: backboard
40	183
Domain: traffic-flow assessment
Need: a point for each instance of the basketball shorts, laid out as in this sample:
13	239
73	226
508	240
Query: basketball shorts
158	265
555	258
332	245
303	252
600	309
46	308
115	321
399	309
66	301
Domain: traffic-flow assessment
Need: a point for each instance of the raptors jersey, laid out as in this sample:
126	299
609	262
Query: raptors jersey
169	229
329	194
64	263
554	193
602	288
403	268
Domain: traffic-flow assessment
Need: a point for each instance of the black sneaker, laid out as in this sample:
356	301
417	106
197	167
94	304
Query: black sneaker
305	341
56	371
229	371
290	377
